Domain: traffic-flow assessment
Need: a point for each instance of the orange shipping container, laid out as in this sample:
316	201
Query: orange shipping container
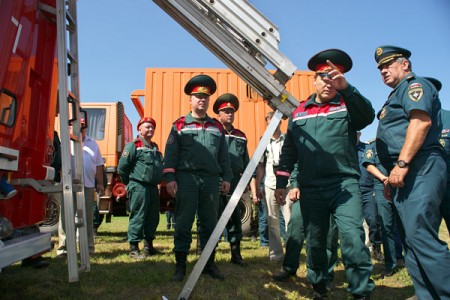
165	101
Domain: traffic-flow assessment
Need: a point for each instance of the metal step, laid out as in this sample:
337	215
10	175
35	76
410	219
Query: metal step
16	249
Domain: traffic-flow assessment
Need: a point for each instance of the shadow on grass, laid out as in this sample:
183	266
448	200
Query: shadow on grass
115	276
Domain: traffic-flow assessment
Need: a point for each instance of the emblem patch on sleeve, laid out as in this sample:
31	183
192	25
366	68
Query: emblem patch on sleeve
415	92
383	113
125	153
442	142
170	139
369	153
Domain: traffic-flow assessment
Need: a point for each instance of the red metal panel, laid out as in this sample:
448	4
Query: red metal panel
28	44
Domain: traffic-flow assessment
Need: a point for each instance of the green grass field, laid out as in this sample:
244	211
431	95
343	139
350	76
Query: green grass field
114	275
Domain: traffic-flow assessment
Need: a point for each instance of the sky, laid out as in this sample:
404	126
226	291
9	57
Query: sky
118	40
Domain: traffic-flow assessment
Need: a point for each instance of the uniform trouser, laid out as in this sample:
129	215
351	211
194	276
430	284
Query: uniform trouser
273	220
254	221
89	203
386	213
197	194
445	207
263	225
296	238
370	213
98	218
170	218
234	226
144	211
418	203
344	204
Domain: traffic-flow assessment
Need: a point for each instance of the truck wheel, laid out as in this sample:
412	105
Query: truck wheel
246	213
53	210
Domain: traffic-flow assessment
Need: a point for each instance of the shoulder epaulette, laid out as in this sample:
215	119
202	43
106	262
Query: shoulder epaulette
239	133
155	145
179	123
138	142
218	124
180	119
410	77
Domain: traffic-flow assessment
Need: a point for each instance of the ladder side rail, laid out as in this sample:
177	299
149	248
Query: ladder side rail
193	7
253	21
263	20
228	211
78	152
231	52
66	169
246	24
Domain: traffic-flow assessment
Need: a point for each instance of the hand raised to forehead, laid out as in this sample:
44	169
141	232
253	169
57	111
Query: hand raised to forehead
336	79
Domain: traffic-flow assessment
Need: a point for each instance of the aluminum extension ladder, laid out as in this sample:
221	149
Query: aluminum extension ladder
69	103
240	36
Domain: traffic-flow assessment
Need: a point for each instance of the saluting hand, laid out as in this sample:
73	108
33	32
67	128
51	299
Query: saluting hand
336	79
172	188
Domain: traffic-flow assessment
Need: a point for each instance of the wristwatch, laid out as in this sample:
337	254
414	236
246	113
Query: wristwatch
402	164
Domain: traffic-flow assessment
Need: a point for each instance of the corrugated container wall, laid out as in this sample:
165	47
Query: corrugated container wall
165	101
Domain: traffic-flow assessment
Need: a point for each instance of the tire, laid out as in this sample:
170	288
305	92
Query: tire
245	205
53	209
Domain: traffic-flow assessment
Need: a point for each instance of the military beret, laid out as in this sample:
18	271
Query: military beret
318	63
385	54
437	84
200	84
146	120
226	101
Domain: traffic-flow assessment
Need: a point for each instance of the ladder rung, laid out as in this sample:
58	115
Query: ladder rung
70	19
72	96
71	56
47	8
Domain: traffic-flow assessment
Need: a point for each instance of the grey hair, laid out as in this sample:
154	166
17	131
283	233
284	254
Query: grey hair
402	59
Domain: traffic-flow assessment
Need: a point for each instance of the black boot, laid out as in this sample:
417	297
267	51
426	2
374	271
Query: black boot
180	267
320	290
149	250
377	254
236	257
211	268
134	251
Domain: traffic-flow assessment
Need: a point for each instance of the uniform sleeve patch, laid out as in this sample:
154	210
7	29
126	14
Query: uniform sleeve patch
415	93
414	85
170	140
125	153
369	153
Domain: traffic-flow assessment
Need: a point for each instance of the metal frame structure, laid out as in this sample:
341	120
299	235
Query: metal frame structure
245	41
74	208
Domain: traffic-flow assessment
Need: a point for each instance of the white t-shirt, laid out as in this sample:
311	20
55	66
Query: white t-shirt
91	159
272	157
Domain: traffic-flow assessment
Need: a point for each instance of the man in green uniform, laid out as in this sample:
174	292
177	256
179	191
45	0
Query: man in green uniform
385	208
225	106
140	168
196	157
445	142
321	138
408	147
